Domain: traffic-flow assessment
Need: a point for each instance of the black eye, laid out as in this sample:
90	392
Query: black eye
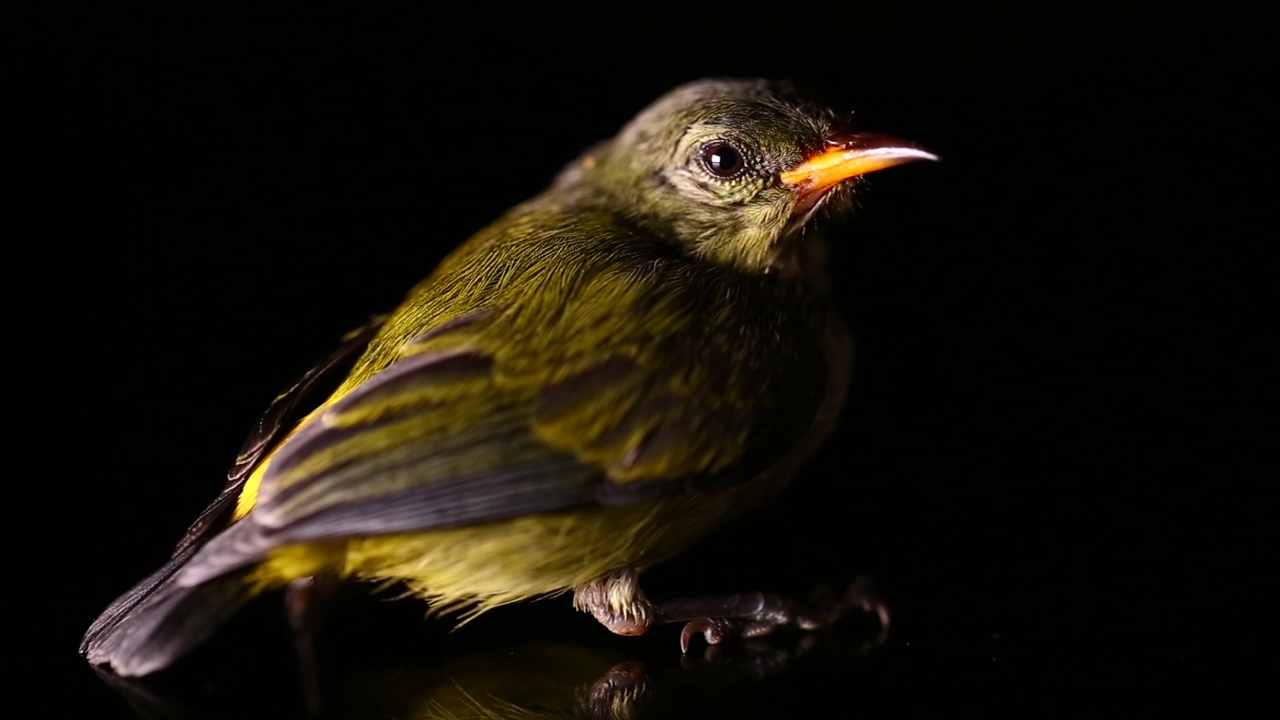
721	159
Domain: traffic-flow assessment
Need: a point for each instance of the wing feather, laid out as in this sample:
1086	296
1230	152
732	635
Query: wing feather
283	412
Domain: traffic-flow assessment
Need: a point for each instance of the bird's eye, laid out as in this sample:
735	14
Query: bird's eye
721	159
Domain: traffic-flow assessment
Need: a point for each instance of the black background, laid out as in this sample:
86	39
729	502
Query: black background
1045	461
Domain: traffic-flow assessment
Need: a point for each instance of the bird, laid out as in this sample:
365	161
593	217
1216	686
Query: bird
592	382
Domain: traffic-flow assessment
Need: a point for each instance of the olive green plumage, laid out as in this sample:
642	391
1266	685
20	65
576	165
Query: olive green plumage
585	386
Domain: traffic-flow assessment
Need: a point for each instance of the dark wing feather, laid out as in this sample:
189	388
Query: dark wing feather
289	406
459	452
285	410
125	604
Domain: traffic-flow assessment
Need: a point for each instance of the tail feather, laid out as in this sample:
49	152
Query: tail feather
159	620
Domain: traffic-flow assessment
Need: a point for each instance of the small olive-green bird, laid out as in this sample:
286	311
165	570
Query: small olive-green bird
578	392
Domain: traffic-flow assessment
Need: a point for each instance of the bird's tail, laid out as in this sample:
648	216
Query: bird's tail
171	611
158	620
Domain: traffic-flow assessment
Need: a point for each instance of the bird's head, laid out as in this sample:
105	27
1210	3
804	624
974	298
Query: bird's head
732	170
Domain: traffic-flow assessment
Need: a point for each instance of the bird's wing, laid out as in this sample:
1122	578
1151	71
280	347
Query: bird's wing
595	386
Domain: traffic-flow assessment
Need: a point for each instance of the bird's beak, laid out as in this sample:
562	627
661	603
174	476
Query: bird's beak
844	157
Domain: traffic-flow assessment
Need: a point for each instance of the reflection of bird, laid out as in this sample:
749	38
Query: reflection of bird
580	391
541	681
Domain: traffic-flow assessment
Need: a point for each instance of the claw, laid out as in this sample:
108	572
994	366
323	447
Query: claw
862	594
714	631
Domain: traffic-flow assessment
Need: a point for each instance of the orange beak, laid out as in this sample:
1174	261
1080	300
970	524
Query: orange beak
846	157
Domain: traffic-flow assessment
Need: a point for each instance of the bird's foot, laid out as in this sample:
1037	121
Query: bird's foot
304	602
756	614
615	599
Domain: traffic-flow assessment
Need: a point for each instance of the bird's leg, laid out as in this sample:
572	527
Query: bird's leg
302	601
756	614
616	600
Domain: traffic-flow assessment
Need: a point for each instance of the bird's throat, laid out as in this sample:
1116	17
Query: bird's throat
803	257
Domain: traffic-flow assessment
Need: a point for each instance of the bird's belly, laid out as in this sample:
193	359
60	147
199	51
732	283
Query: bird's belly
481	567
